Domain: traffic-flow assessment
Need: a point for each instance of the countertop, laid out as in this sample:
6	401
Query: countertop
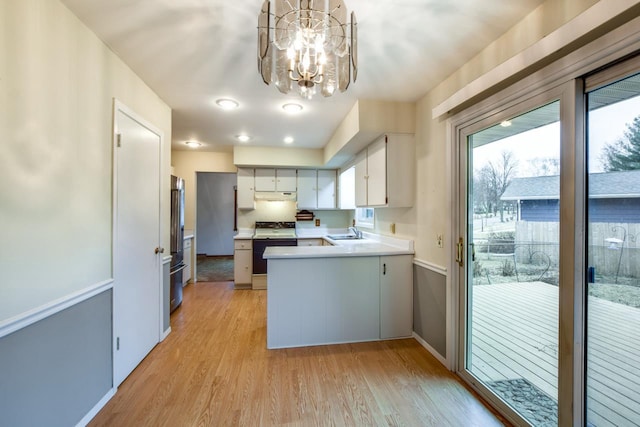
244	233
371	245
188	234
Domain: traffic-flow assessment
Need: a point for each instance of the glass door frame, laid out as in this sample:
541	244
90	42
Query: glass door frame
563	80
565	94
592	82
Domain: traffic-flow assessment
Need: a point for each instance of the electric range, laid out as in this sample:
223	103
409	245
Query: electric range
268	233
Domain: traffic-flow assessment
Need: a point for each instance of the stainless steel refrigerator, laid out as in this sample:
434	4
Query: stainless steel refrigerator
177	241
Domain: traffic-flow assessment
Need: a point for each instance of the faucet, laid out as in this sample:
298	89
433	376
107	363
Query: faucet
357	232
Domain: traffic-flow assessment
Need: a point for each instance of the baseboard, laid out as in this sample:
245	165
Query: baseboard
98	406
431	350
215	256
165	334
259	281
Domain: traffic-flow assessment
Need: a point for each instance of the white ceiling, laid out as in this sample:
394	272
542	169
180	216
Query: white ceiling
192	52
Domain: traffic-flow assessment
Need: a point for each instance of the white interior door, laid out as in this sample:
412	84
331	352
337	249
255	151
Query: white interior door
136	294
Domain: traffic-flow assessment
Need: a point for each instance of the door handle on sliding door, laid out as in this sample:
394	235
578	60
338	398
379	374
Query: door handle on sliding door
460	252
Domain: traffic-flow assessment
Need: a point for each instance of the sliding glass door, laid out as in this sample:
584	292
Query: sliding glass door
548	250
512	251
613	249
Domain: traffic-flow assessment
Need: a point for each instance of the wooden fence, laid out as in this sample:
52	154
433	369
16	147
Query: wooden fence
614	249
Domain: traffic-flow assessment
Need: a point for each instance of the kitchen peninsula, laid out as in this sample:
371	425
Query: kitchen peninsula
355	290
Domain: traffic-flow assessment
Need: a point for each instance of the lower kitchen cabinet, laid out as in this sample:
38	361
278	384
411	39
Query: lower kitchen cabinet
188	260
310	242
396	296
314	301
242	262
322	301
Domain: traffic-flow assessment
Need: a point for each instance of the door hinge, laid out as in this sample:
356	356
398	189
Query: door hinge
119	139
118	343
459	252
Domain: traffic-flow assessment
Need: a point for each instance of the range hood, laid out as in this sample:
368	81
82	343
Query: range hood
275	195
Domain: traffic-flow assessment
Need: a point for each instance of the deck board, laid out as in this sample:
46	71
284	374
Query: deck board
515	335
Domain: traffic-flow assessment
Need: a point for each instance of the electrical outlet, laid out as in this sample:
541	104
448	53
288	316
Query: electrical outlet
317	222
392	228
440	241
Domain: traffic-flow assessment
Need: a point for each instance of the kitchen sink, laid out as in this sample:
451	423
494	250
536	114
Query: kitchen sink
343	237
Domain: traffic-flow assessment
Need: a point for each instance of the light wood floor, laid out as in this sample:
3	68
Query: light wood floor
214	370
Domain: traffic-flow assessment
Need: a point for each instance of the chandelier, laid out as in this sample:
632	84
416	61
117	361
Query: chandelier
307	45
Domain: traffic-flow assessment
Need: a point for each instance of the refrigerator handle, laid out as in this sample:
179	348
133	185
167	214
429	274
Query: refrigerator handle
176	227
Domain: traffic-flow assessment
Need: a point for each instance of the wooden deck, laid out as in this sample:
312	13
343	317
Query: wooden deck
516	336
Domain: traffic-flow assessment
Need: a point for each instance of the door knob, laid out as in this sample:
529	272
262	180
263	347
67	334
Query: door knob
159	250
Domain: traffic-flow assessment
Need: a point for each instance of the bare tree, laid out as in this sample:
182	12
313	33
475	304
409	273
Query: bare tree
542	166
494	178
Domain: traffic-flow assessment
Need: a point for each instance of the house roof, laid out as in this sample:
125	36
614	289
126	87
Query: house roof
623	184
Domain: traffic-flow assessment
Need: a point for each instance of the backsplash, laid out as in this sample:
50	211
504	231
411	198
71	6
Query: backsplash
286	211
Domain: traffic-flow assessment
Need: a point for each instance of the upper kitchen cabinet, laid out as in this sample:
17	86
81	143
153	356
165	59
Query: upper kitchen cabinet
275	180
246	187
316	189
385	172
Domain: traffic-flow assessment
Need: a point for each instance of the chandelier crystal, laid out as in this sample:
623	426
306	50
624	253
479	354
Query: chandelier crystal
307	45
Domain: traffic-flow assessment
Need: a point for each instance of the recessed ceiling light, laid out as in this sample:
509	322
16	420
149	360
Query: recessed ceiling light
505	123
227	104
292	108
288	140
243	138
193	144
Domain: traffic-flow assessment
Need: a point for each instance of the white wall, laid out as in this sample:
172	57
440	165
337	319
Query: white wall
286	211
57	84
431	212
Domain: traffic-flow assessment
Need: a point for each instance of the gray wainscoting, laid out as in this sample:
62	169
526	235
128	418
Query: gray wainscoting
430	308
53	372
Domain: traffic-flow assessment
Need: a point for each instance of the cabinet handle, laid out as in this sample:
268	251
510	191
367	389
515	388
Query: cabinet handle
159	250
384	269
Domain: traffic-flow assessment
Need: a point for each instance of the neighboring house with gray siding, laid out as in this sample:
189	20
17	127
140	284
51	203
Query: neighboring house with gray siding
614	197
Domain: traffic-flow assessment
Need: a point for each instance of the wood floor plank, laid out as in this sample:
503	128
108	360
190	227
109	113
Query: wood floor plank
214	369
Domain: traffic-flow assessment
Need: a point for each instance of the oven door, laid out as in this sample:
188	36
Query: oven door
259	245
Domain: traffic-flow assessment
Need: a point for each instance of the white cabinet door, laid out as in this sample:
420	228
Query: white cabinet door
377	173
361	178
307	189
310	242
326	189
401	170
275	179
245	188
186	276
286	180
396	296
348	188
265	179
